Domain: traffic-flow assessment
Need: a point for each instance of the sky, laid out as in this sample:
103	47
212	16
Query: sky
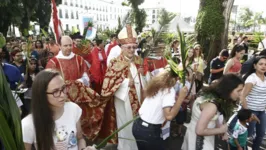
190	7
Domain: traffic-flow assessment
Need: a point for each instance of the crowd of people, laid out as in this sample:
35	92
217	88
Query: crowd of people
77	94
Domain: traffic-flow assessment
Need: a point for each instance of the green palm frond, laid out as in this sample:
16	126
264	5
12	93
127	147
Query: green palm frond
2	40
46	35
104	142
183	50
10	126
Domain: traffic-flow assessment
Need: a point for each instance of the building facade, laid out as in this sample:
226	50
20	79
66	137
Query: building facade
103	13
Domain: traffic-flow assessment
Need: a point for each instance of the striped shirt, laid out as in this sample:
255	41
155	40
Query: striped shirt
256	99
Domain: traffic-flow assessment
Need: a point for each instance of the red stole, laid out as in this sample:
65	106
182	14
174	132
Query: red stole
98	68
110	47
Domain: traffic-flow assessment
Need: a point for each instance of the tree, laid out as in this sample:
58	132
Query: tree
11	13
165	17
212	26
245	18
139	14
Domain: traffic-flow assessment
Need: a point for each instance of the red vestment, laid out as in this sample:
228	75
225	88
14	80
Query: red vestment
89	101
111	45
117	71
151	64
98	68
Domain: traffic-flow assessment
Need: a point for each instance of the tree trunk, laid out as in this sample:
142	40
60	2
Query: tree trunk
212	27
227	13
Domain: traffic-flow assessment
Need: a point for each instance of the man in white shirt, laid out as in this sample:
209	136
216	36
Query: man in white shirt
262	44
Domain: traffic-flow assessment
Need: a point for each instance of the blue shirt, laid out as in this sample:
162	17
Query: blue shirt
13	75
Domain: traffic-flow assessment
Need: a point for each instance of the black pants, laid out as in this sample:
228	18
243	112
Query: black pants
148	136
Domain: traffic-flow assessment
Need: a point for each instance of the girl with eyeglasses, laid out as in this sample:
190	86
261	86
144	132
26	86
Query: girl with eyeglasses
53	123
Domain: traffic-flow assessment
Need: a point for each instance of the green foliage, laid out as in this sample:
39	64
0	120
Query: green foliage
10	126
210	20
2	40
119	27
140	19
165	17
248	19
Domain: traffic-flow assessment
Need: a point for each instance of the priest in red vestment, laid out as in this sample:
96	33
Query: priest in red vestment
98	66
74	71
154	64
113	43
122	83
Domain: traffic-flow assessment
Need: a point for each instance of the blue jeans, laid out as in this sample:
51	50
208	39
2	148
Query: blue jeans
148	137
260	129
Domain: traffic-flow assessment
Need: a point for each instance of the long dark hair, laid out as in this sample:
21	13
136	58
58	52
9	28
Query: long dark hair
28	78
221	93
224	87
41	112
236	48
252	69
40	43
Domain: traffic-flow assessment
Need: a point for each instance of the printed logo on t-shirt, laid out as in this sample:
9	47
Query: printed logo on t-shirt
64	140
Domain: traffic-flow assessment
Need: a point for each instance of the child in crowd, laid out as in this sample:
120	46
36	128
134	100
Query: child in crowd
238	141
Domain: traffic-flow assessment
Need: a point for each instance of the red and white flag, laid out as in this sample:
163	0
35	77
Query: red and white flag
57	25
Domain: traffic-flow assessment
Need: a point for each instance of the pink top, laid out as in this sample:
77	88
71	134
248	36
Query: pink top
236	67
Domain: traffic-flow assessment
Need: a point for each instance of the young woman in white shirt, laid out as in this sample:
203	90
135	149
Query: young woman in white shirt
53	122
253	97
159	106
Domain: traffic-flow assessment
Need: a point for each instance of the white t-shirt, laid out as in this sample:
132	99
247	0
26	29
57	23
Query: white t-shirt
256	99
65	128
151	110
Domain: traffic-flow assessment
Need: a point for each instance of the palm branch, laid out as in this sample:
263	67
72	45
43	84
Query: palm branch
10	126
104	142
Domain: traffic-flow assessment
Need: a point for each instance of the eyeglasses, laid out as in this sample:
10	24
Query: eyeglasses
58	92
131	47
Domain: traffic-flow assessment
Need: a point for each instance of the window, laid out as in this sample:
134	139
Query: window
60	13
100	17
77	15
66	14
153	21
72	14
153	11
76	1
153	16
97	17
77	26
67	27
65	2
110	9
71	2
81	5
